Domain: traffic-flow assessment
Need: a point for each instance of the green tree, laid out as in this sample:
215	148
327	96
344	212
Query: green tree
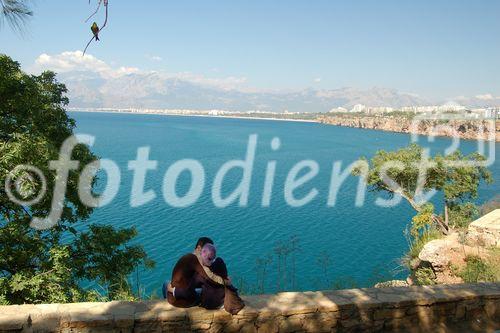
48	265
456	176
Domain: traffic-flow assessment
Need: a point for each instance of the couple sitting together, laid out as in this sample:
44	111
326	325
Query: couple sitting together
200	278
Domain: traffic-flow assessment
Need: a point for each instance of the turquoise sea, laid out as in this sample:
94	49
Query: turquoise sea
340	243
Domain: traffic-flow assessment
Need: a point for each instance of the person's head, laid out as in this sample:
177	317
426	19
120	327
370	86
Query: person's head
202	241
208	254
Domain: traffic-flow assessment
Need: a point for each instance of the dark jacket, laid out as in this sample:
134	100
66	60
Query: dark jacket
189	274
186	276
212	295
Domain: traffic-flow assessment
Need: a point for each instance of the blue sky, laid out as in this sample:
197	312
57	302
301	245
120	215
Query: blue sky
438	49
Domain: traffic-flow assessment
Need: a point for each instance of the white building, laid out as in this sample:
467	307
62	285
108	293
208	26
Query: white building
358	108
338	110
378	110
451	106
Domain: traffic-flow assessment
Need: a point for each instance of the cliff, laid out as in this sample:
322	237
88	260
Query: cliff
465	129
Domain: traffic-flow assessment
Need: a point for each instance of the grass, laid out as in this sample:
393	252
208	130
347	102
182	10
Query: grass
425	276
478	270
416	245
494	262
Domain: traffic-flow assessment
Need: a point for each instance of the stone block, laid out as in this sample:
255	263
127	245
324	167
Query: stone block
492	309
388	313
13	321
268	326
460	312
291	324
400	324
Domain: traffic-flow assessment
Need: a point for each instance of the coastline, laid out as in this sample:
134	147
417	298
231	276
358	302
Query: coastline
466	129
197	115
383	124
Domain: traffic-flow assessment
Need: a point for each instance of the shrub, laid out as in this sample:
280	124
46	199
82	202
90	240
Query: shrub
461	215
425	276
477	270
417	244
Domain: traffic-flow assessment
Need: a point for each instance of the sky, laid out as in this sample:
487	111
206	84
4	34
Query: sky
437	49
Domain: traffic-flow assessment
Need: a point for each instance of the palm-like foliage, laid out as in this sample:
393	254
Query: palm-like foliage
15	12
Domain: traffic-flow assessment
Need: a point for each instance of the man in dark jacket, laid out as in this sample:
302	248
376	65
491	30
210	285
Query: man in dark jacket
198	278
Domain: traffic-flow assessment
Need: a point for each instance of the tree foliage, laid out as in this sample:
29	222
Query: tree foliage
15	12
48	266
456	176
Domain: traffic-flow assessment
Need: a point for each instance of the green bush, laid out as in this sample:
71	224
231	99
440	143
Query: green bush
425	276
477	270
417	244
461	215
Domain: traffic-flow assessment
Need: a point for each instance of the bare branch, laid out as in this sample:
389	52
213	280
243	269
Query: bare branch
106	3
96	11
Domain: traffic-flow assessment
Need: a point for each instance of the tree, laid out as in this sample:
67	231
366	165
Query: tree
15	12
408	172
47	266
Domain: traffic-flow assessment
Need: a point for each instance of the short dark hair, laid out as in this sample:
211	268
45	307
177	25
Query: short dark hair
202	241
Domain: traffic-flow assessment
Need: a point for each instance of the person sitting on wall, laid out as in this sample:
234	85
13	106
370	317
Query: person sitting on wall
200	278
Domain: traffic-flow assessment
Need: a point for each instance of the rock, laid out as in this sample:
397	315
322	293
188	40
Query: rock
451	251
441	254
415	263
435	253
465	129
410	281
485	231
392	283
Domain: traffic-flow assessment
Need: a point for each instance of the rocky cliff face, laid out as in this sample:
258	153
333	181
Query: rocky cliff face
442	255
464	129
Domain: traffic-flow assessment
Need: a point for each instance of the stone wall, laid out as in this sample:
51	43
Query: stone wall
443	308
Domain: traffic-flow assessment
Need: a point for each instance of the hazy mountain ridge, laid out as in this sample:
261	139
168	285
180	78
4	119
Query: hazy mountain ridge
157	90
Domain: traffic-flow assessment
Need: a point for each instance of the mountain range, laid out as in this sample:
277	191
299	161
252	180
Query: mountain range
157	90
87	89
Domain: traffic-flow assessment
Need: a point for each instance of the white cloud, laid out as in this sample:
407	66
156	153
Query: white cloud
154	57
75	61
227	83
485	97
317	80
126	70
70	61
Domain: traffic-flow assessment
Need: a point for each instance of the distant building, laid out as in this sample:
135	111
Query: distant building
493	113
447	107
339	110
358	108
379	110
451	106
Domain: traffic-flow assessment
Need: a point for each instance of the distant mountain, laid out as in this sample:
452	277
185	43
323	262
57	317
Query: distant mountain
157	90
479	101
